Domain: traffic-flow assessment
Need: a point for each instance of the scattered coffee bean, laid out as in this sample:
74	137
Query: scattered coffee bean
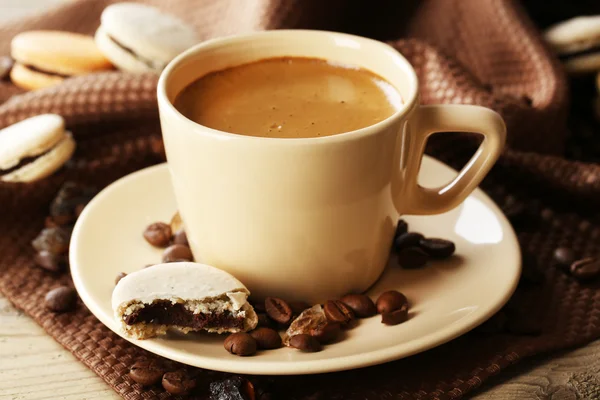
266	338
278	310
49	261
326	333
586	269
390	301
6	64
522	322
298	306
395	317
146	372
360	304
234	388
496	324
55	222
305	343
178	382
53	240
180	237
531	275
437	248
408	239
158	234
177	252
241	344
336	311
412	257
61	299
401	228
68	198
120	276
564	257
265	322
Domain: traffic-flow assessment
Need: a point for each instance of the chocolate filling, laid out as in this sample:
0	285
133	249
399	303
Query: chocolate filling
149	63
163	312
22	163
43	71
593	50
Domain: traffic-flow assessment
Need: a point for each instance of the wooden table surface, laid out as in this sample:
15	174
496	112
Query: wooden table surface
34	366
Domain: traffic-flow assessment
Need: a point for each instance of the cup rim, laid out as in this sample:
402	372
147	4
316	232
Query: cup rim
168	107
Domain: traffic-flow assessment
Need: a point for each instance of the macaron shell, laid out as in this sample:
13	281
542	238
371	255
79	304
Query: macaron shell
574	35
122	59
29	79
148	31
584	64
64	53
46	164
29	138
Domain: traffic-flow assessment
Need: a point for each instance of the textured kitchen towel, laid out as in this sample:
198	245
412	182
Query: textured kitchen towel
484	52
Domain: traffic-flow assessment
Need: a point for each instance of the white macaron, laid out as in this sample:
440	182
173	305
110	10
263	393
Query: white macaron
577	43
34	148
141	38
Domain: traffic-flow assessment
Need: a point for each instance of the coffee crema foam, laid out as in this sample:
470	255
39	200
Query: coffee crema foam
289	97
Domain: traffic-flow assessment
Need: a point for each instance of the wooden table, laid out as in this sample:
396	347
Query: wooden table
34	366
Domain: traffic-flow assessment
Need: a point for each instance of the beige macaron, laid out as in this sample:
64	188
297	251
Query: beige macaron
577	43
45	58
34	148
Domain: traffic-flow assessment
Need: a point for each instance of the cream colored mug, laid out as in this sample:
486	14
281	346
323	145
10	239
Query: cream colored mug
310	218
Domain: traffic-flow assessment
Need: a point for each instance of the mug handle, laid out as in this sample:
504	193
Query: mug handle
428	120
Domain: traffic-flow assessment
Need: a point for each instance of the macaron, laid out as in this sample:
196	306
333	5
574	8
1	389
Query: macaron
34	148
577	43
141	38
46	58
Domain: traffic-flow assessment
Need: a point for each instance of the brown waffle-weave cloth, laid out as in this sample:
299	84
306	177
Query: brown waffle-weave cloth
483	52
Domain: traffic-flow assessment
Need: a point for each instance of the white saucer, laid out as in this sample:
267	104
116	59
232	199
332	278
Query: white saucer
448	298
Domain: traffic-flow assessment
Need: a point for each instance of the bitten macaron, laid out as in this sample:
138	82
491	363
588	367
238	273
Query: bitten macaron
34	148
577	43
46	58
141	38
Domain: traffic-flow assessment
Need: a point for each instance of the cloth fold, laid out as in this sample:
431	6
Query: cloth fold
464	51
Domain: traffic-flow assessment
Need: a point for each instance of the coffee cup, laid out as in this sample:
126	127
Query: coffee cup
310	218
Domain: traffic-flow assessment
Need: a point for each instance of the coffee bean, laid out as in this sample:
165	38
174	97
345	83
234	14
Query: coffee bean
265	322
278	310
325	333
395	317
305	343
69	197
496	324
437	248
146	372
49	261
298	306
53	240
178	382
531	274
61	299
523	322
586	269
177	252
564	257
241	344
120	276
401	228
336	311
6	64
412	257
266	338
158	234
408	239
235	388
360	304
390	301
55	222
180	237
